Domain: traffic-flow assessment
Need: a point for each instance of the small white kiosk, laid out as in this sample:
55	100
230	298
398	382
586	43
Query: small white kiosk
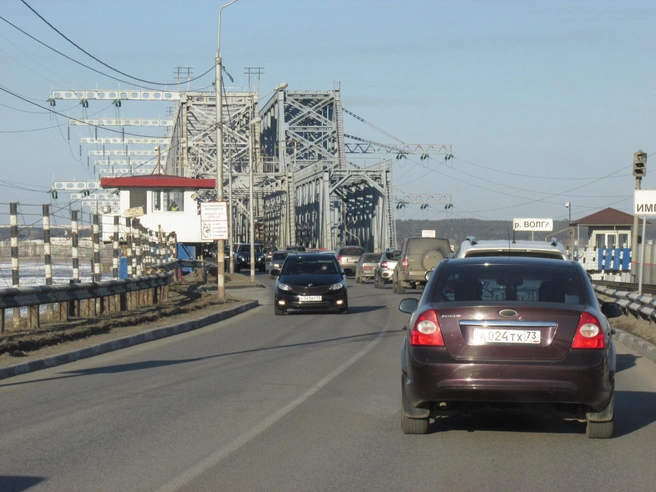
167	201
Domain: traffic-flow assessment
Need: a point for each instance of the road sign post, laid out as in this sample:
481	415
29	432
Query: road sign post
644	203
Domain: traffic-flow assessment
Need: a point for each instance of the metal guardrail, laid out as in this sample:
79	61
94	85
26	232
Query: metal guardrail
92	298
638	304
627	286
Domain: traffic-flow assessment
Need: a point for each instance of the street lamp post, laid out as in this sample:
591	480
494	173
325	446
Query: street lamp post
253	123
220	263
568	205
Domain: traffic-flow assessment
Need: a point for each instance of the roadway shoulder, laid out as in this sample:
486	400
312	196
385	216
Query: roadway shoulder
127	341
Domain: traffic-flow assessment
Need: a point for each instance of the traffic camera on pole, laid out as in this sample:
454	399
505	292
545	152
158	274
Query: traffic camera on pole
640	164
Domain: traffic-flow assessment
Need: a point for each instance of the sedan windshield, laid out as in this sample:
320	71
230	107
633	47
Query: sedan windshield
304	266
246	248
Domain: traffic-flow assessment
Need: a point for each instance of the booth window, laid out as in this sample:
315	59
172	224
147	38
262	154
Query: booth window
168	201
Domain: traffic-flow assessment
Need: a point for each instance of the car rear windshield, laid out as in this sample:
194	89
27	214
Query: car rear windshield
279	255
504	282
351	251
422	244
371	258
392	255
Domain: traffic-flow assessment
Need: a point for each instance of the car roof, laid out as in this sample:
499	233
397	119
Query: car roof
522	261
495	247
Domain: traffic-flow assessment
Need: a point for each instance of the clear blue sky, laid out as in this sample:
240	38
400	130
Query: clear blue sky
544	102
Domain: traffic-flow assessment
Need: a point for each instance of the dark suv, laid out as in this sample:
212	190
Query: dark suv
242	257
419	255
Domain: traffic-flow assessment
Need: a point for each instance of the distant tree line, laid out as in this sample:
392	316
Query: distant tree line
456	230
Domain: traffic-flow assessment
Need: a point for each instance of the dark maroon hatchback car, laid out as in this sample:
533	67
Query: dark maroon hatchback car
526	334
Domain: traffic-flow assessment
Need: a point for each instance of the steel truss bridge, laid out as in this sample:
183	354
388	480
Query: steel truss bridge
305	191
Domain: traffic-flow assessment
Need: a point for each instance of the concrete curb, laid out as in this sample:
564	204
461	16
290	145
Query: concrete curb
636	344
120	343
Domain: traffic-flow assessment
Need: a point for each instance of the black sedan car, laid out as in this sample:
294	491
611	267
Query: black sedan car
526	334
277	259
311	281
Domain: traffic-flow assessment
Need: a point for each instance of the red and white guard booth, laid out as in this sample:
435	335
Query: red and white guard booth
168	202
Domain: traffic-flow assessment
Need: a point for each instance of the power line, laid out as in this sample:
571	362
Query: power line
69	117
33	60
97	59
87	66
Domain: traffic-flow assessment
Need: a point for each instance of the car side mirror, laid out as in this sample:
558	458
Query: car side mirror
408	305
611	309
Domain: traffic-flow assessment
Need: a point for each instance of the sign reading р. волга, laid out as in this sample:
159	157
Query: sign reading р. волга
533	225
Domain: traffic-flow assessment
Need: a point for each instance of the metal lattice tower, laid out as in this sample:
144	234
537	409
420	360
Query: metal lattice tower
305	190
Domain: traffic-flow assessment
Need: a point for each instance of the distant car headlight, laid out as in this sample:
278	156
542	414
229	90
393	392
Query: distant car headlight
284	287
336	286
240	257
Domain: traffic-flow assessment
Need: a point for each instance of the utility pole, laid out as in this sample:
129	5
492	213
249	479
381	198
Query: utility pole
254	71
220	263
179	73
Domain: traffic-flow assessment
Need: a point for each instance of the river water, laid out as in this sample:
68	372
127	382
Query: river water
33	273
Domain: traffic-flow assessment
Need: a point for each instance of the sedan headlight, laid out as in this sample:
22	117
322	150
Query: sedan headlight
284	287
336	286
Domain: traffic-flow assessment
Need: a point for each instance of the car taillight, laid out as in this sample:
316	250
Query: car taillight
339	258
426	330
383	264
404	263
589	334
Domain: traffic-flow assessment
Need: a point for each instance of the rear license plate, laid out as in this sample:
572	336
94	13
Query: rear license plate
309	298
484	336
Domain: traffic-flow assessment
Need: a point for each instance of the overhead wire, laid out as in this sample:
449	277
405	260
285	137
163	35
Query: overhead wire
95	58
18	96
513	187
36	62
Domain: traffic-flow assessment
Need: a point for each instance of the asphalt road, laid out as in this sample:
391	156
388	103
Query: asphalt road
296	402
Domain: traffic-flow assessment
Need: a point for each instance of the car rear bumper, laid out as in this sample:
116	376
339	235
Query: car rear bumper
581	378
414	276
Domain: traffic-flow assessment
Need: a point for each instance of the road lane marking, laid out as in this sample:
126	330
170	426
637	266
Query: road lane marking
215	458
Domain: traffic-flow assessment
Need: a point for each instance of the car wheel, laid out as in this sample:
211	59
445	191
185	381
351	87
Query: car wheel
261	268
237	268
413	426
376	284
604	429
357	280
599	430
343	310
400	289
278	311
